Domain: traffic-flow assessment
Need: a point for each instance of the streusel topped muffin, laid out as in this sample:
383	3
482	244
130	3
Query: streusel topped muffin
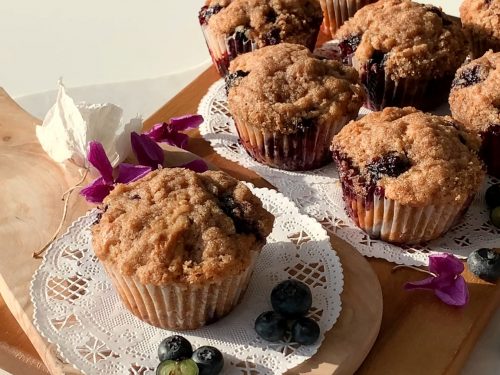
405	52
403	164
475	102
234	27
481	21
284	90
175	225
180	246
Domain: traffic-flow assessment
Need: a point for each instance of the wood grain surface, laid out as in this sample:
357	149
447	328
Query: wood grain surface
31	191
419	334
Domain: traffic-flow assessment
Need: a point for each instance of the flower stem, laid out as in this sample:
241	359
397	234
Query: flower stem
65	197
395	268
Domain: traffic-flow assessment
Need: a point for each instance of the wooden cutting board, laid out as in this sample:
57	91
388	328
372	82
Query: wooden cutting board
419	334
30	191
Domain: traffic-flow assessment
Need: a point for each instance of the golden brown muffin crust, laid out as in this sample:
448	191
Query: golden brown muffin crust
420	40
481	16
286	85
443	165
296	20
475	94
175	225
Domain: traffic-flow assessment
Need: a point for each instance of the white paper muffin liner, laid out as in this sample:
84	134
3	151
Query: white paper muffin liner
336	12
390	221
180	306
305	150
224	48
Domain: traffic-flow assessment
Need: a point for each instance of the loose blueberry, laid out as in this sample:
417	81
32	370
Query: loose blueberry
291	298
175	348
485	264
170	367
495	216
305	331
493	196
271	326
209	360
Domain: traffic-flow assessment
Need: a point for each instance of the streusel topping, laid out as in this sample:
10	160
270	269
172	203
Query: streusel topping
284	87
290	21
482	16
417	40
475	93
175	225
431	160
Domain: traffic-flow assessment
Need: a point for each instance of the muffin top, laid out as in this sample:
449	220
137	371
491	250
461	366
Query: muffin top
268	21
475	93
175	225
416	158
409	39
482	16
285	88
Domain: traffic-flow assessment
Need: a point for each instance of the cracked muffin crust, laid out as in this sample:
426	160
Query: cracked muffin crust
481	21
175	225
283	97
475	102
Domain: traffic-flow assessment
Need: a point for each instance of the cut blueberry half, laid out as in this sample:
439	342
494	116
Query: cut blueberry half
184	367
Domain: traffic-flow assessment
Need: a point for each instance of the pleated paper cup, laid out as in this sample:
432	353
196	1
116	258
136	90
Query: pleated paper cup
480	43
336	12
490	150
386	219
421	93
225	48
181	306
301	151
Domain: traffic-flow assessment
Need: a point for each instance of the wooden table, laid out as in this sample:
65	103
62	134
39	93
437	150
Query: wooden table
419	335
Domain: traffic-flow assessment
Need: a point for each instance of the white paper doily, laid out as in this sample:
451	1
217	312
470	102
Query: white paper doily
318	193
77	309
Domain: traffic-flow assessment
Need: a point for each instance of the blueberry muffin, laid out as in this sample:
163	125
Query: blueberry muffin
475	102
180	246
406	176
406	53
481	22
288	104
234	27
336	12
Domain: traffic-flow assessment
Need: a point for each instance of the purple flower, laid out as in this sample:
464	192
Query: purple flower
446	280
168	132
149	153
96	191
